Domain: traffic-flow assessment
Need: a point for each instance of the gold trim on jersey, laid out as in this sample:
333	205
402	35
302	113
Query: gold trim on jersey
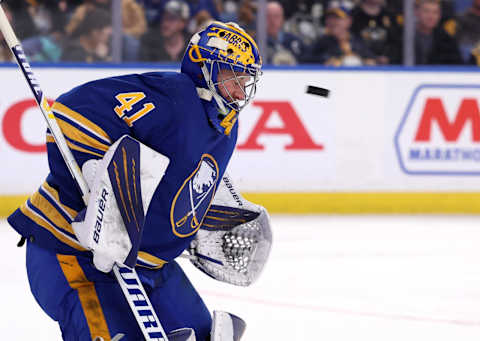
87	295
50	139
39	220
51	212
229	122
53	194
154	262
77	135
81	121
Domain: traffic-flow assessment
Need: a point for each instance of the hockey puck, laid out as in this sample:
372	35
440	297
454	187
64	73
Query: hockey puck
315	90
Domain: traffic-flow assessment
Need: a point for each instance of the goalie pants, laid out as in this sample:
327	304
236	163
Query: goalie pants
88	303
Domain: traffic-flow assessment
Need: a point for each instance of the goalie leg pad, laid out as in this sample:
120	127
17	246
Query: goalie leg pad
122	186
227	327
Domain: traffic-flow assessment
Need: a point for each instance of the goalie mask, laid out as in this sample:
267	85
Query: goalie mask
223	47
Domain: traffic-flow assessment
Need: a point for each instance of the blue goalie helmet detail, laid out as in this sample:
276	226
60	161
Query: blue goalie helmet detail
223	46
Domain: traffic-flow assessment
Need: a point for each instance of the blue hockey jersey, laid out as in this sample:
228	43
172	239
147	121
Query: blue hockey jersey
163	111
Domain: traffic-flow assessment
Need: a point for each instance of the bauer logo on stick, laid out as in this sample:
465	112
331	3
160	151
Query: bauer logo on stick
194	197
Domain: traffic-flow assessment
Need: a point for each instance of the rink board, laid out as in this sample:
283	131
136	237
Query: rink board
341	203
385	140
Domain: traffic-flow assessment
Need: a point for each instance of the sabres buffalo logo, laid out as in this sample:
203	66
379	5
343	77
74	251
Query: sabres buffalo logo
194	198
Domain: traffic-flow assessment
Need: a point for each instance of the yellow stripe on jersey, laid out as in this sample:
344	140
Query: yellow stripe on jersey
50	211
82	121
156	263
74	147
77	135
53	192
39	220
88	296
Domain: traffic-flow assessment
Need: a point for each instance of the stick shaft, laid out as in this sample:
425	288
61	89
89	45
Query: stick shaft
41	100
7	30
131	286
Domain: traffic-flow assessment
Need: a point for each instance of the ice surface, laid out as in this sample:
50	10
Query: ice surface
335	278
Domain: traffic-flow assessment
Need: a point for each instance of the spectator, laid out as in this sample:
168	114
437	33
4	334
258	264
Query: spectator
169	39
378	29
22	18
282	47
39	17
59	12
153	10
134	22
395	7
305	18
468	32
46	46
475	55
5	53
203	12
229	11
461	5
294	7
200	11
339	46
90	39
247	16
433	45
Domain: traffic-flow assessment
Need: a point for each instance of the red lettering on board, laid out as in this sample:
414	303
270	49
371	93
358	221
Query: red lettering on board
12	127
435	111
292	126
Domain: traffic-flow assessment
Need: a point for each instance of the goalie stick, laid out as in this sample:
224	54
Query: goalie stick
127	278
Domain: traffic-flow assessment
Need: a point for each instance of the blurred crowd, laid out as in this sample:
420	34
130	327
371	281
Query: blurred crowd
329	32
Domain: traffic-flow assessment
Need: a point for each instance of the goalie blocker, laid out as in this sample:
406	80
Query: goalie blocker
122	185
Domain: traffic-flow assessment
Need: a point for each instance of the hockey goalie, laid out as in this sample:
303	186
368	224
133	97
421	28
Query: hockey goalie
153	148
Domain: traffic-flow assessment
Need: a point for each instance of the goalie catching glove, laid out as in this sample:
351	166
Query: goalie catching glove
121	188
234	241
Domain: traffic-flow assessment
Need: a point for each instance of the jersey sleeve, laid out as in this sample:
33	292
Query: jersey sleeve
89	127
